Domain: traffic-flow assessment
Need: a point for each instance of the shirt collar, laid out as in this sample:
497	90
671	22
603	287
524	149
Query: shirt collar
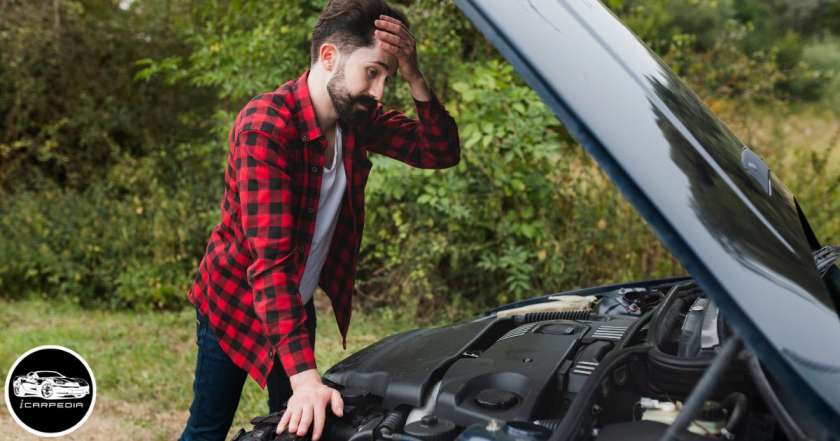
306	120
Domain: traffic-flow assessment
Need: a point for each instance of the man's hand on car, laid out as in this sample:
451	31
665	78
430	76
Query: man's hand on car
308	404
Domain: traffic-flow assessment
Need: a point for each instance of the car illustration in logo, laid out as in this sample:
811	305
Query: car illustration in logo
49	385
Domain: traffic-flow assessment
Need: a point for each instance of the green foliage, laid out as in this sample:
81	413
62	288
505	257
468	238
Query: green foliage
129	242
732	48
68	105
242	48
524	211
824	55
115	121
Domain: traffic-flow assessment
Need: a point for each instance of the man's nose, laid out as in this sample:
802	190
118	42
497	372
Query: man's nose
377	89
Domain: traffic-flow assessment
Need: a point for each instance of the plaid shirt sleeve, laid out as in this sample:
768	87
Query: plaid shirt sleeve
431	141
263	179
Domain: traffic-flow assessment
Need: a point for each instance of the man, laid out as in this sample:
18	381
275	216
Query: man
293	213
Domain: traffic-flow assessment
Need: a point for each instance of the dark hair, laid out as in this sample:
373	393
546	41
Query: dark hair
348	24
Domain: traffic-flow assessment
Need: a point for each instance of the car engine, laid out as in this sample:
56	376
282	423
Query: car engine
601	364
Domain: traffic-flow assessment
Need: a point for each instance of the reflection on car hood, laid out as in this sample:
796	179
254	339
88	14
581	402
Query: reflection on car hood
713	203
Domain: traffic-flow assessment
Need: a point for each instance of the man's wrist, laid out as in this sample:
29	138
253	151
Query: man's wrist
419	88
305	378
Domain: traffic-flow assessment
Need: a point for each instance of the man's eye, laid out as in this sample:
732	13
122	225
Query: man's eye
371	73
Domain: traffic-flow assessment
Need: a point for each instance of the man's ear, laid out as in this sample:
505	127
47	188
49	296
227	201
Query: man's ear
329	56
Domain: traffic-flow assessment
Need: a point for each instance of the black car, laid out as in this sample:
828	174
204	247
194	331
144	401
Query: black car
747	347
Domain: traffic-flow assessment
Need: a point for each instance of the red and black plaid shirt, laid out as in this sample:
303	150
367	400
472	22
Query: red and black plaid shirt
247	282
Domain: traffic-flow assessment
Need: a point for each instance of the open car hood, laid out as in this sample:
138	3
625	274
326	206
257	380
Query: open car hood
714	204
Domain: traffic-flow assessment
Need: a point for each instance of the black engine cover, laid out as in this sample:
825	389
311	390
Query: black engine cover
507	380
400	368
487	369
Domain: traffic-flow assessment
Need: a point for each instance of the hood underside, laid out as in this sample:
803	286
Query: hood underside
710	199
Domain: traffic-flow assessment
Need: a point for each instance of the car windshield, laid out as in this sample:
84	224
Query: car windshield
48	374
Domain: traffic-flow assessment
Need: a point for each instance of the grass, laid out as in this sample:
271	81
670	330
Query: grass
144	362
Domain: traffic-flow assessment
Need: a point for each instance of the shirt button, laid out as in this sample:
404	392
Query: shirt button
305	138
313	169
310	210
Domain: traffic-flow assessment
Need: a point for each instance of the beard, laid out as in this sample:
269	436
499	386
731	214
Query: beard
351	110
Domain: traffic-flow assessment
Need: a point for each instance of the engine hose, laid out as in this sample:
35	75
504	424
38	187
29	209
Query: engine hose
698	365
634	328
739	404
703	389
391	424
668	320
670	296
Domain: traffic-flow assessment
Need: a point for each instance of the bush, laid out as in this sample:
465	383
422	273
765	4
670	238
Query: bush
524	212
733	49
133	243
112	190
69	107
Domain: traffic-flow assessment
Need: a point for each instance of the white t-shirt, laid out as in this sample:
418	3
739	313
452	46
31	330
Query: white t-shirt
333	184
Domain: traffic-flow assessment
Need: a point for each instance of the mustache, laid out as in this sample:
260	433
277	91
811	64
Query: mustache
366	100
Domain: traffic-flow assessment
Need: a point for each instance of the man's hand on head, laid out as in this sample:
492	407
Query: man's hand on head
393	36
395	39
308	403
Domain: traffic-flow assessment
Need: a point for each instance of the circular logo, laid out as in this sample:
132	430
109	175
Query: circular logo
50	391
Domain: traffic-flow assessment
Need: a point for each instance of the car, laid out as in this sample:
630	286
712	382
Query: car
745	347
49	385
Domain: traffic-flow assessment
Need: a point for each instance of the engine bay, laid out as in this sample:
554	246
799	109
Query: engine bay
630	362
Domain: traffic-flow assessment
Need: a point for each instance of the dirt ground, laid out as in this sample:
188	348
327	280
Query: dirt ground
111	420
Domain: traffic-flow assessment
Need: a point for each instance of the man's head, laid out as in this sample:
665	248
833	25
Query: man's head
343	44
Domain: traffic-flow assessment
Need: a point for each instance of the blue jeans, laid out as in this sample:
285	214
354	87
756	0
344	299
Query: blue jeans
218	385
